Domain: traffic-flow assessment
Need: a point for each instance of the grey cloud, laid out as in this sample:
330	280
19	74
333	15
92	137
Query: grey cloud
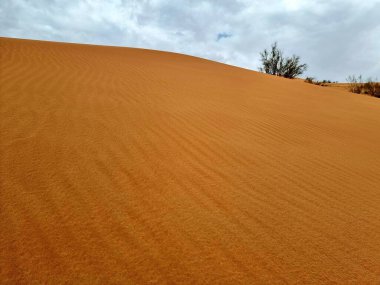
336	38
223	35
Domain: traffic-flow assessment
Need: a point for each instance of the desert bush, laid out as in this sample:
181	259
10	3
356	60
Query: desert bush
370	87
273	62
355	83
309	80
312	80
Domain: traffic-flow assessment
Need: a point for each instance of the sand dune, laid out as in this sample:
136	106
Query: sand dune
131	166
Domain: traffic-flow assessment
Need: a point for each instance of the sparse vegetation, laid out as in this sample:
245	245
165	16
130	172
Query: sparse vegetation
355	83
273	62
312	80
369	87
309	80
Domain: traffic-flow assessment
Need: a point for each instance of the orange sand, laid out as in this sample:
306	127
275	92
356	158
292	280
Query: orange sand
131	166
341	86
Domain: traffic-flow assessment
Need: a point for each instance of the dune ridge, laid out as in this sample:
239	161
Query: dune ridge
131	166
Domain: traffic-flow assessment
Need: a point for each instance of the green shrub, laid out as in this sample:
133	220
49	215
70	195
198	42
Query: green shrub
273	62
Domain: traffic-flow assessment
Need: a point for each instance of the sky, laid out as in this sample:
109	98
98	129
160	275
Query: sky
336	38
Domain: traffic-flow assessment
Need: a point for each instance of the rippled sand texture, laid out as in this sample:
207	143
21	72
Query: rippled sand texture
131	166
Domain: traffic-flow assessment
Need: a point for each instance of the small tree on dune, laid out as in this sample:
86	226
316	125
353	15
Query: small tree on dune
273	62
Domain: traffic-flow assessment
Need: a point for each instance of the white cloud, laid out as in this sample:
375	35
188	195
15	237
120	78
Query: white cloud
293	5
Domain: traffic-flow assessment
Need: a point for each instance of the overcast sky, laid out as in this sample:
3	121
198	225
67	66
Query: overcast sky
335	38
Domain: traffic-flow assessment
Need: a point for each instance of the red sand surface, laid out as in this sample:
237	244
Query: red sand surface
131	166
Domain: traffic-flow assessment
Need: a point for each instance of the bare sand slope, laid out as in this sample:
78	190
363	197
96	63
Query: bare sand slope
128	166
341	86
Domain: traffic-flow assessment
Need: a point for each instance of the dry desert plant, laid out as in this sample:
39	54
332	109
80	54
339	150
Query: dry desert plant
369	87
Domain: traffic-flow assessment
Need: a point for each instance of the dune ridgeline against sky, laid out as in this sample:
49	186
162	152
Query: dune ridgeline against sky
132	166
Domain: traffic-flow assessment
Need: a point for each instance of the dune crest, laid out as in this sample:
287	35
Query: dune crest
131	166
